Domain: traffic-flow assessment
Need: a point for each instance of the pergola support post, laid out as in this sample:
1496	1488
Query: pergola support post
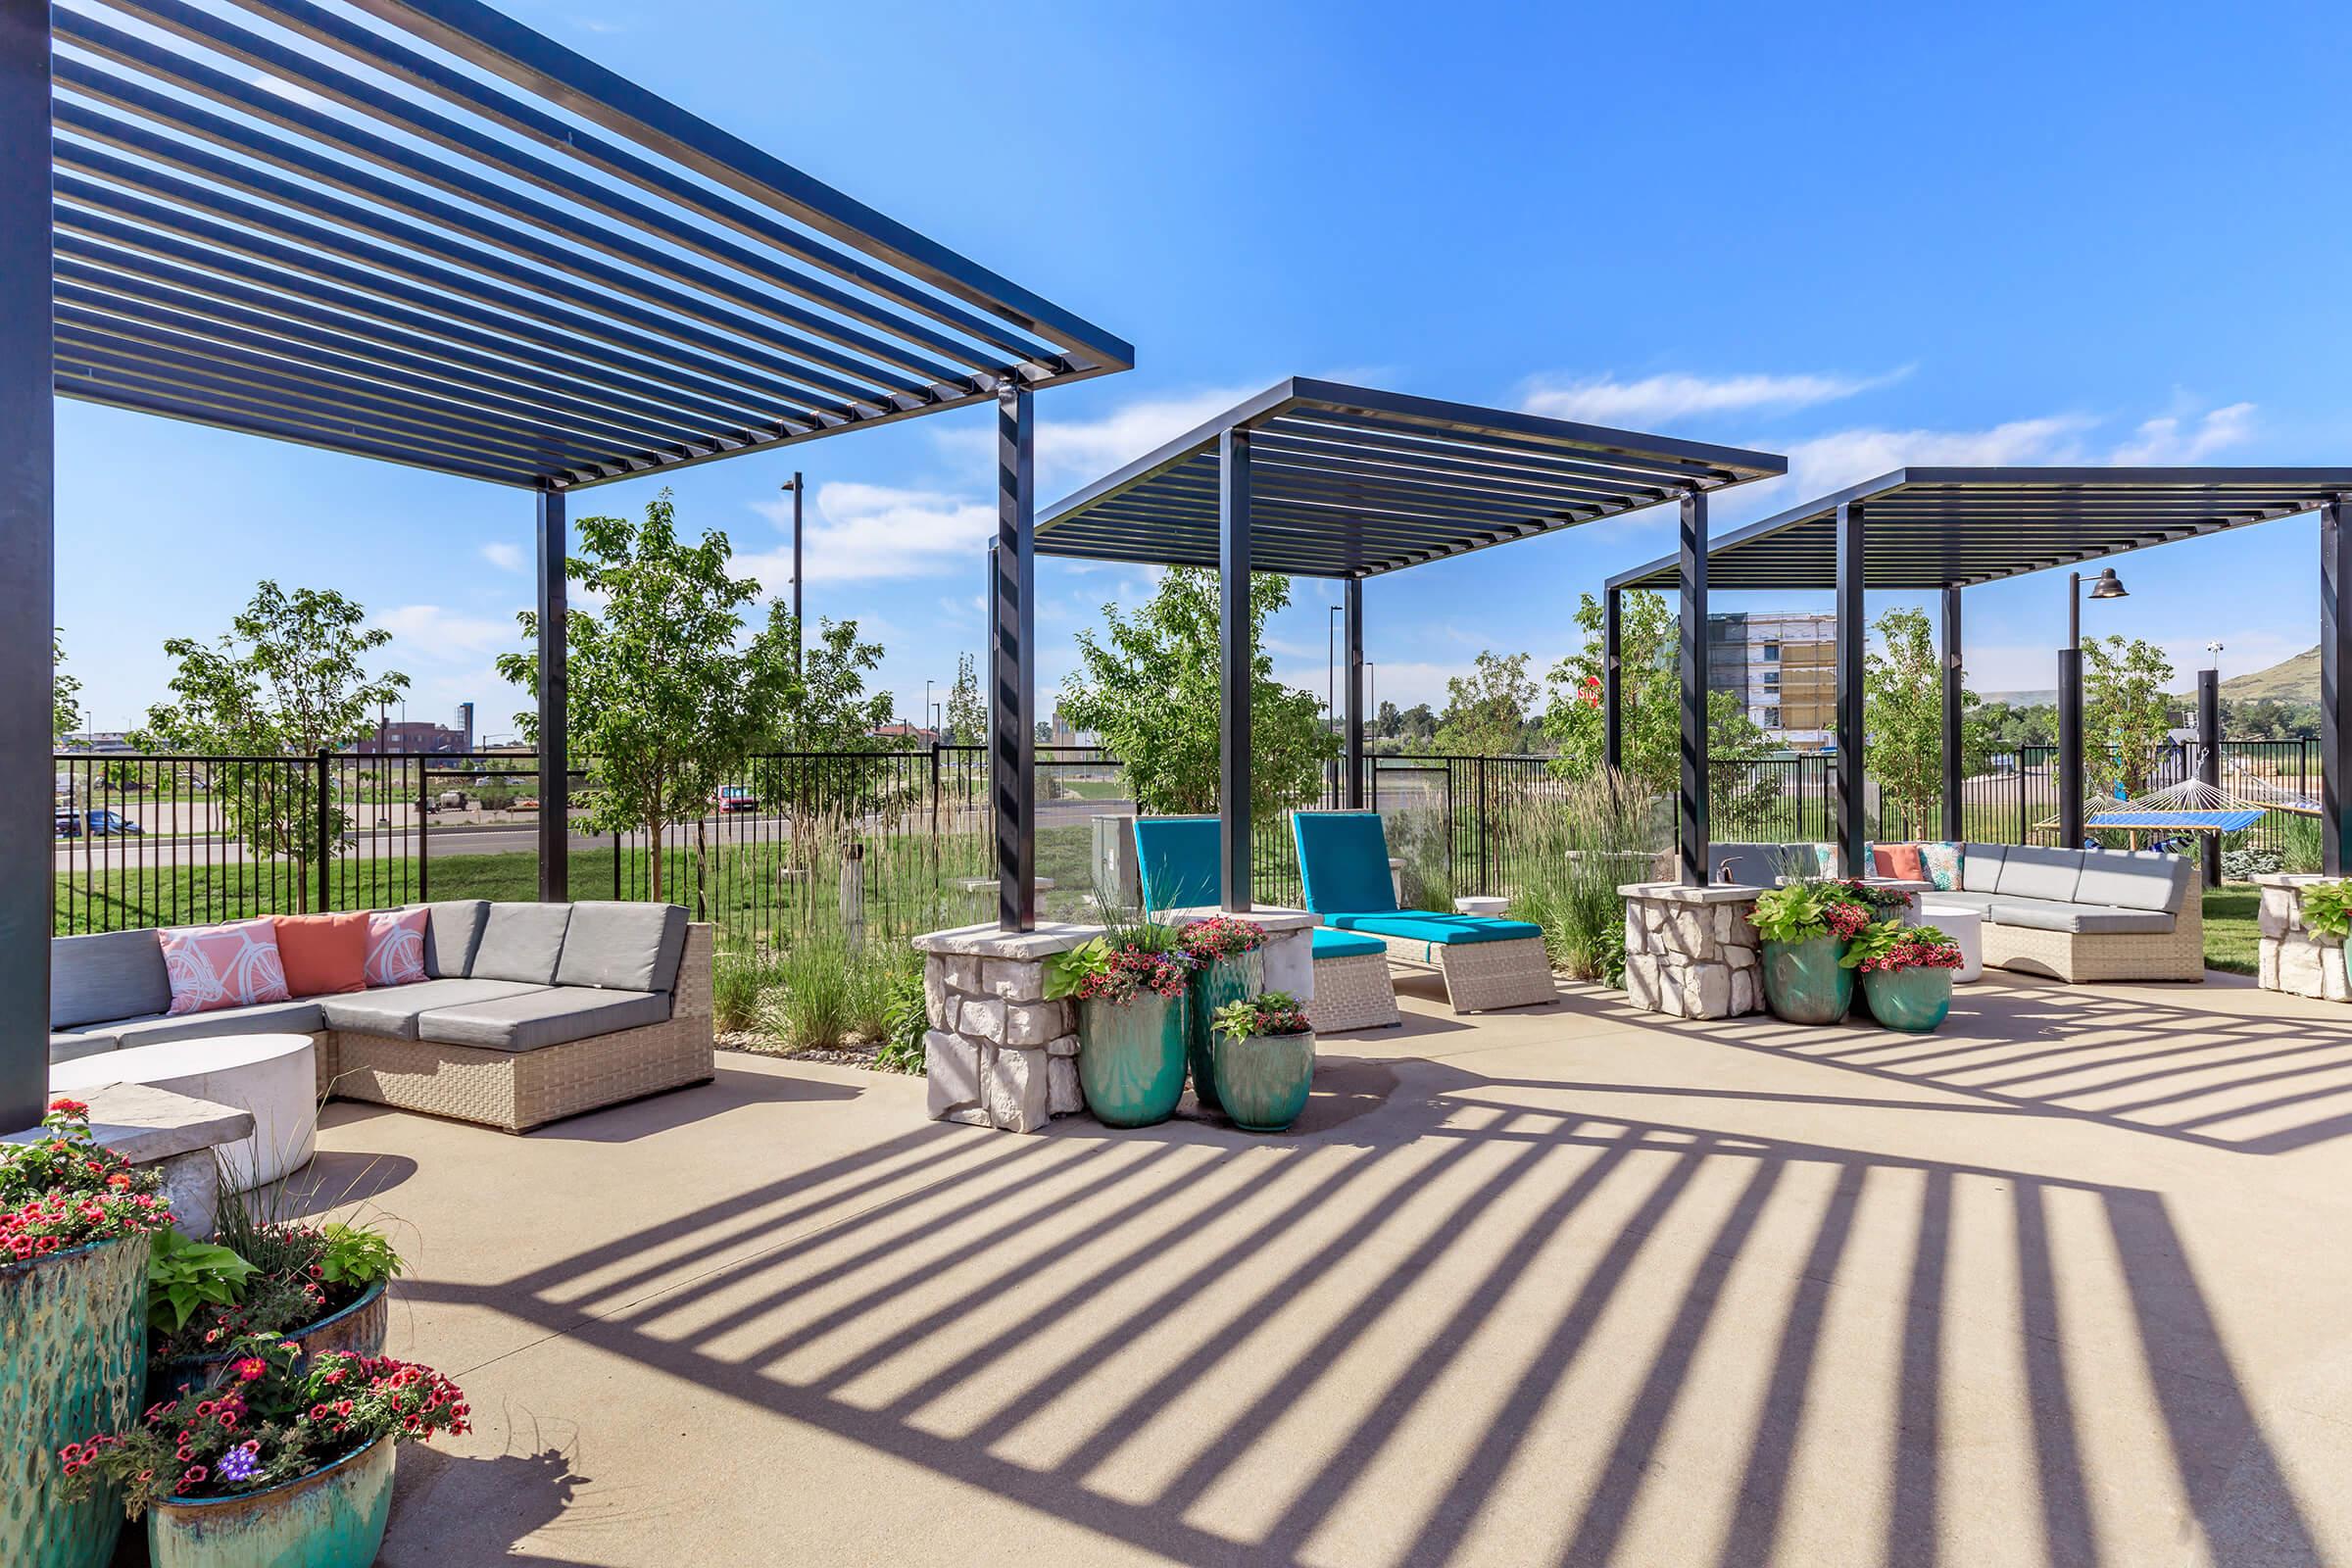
1850	648
2209	762
1352	794
1232	707
1012	621
2070	747
1690	812
27	565
2335	696
1612	677
555	695
1955	720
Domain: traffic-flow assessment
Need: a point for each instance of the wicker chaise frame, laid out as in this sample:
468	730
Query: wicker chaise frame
2081	957
1354	993
517	1091
1479	975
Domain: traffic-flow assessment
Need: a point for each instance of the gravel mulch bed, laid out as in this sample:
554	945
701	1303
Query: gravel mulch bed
759	1045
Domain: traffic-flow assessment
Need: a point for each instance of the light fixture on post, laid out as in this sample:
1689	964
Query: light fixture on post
2106	585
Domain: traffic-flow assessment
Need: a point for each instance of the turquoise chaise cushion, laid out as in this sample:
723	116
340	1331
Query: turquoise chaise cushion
1177	859
1437	930
1331	944
1343	861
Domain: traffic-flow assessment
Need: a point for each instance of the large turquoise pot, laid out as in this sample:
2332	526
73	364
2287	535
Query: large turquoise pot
1914	1000
1803	983
1213	984
358	1327
331	1518
72	1361
1263	1079
1130	1058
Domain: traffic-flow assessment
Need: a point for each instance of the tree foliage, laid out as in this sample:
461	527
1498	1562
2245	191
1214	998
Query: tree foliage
1903	688
287	678
64	692
1487	710
1150	685
2127	713
968	714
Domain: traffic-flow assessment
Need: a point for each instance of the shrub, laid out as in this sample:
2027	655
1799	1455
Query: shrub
906	1016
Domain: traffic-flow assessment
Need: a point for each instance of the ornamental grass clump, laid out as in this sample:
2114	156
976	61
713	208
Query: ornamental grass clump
279	1417
62	1190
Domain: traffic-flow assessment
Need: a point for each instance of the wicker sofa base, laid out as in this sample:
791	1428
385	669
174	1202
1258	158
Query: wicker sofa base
516	1089
2081	958
1354	993
1481	975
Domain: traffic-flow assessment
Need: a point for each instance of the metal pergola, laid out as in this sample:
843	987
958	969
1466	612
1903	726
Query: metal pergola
1941	530
417	231
1318	479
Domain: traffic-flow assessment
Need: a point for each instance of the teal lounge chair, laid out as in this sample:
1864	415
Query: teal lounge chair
1176	857
1344	865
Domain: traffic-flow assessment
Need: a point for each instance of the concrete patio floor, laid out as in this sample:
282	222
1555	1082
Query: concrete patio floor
2065	1283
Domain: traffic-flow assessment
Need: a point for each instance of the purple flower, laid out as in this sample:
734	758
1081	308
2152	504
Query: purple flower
240	1463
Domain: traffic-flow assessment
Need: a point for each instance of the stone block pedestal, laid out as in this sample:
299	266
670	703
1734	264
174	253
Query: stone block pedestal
1691	952
2293	960
171	1133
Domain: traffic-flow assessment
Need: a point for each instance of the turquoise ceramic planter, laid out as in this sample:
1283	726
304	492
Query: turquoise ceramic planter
1914	1000
358	1327
1803	982
72	1361
1130	1058
1263	1079
331	1518
1213	984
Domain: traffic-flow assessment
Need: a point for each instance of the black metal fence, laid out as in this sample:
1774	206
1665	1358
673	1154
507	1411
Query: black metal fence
901	840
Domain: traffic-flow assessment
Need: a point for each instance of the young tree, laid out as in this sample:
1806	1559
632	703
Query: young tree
665	700
286	680
1652	699
1149	687
1903	688
968	714
1485	711
65	693
818	755
2127	715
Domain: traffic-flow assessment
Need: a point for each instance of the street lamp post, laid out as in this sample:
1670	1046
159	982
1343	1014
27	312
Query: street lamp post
799	637
2106	585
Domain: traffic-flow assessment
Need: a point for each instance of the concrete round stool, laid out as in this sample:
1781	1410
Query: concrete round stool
269	1075
1966	928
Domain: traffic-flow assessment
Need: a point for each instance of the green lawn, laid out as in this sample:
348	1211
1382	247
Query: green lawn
2231	935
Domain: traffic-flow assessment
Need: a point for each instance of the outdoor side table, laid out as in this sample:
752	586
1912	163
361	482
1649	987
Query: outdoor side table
1966	928
269	1075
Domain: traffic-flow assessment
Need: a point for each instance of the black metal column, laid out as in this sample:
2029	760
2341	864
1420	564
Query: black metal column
1955	719
27	565
1691	826
1612	677
1232	707
1012	739
2209	761
555	734
2070	747
2335	695
1352	794
1847	786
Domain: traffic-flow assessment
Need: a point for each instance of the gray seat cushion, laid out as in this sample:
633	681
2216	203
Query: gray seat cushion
543	1018
75	1044
1979	901
623	947
114	974
392	1010
452	931
2134	879
521	941
2082	919
2039	871
1981	867
265	1018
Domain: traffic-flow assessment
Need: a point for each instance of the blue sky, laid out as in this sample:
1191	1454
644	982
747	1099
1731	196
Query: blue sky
1858	237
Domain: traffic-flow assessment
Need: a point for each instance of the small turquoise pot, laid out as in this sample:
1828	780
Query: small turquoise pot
1263	1079
1130	1058
1213	984
1803	982
1914	1000
72	1360
358	1327
331	1518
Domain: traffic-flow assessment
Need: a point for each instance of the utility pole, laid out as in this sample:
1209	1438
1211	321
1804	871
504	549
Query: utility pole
798	635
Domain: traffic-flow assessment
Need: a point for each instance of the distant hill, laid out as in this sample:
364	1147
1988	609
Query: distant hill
2041	699
2295	681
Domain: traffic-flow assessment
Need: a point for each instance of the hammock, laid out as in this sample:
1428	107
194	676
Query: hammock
2253	788
2191	806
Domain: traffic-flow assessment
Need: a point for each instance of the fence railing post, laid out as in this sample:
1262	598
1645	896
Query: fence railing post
327	824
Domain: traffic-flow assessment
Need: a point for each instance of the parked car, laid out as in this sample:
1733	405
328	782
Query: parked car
105	824
69	823
735	797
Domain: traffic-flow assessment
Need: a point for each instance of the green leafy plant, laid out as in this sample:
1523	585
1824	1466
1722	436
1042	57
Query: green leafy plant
184	1276
2327	910
1890	945
355	1256
1271	1012
906	1016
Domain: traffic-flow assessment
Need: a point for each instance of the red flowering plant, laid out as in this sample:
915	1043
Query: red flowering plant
1221	936
61	1191
278	1418
1132	957
272	1277
1887	946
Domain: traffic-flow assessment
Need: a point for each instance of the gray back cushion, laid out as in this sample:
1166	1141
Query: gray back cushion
521	941
623	947
2039	871
115	974
1761	865
1981	867
452	931
2134	879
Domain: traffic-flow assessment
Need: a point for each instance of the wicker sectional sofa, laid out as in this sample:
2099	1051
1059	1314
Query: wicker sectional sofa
529	1013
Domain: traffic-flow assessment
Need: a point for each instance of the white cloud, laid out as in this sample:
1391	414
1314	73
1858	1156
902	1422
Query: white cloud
1605	400
506	558
867	532
2172	439
431	632
1075	452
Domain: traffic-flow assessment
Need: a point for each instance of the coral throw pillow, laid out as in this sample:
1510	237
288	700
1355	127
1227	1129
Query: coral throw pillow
396	946
1941	862
216	966
1899	861
323	954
